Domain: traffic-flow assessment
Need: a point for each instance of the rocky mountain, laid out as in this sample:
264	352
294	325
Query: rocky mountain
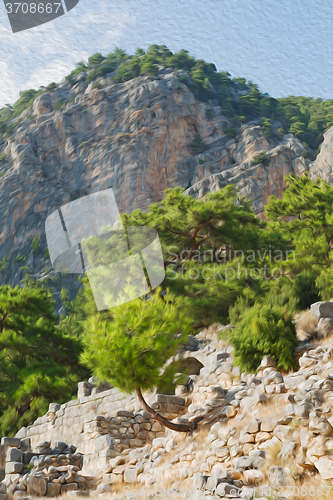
138	137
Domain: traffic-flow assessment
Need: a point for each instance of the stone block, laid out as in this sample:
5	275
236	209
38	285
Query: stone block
53	489
11	441
26	443
156	427
65	488
253	427
135	443
123	413
36	486
14	468
14	455
268	425
164	398
143	435
130	475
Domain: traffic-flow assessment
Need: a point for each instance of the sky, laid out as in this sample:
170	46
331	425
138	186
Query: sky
284	46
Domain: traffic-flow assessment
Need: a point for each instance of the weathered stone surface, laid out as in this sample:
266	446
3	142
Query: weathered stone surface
322	310
325	467
36	486
14	455
53	489
66	488
13	468
10	441
322	166
130	475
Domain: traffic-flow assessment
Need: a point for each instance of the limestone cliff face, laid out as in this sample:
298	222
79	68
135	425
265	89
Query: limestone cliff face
134	137
323	164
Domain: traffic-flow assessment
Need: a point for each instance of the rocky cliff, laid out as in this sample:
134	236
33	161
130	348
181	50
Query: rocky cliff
323	165
136	137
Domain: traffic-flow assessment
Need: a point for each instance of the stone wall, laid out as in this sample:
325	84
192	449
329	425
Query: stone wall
100	425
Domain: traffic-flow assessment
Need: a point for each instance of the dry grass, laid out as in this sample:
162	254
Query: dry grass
306	325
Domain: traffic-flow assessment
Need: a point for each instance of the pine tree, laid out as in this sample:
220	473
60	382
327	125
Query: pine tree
131	350
38	362
305	216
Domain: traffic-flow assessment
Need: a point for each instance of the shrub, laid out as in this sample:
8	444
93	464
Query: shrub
264	330
149	68
209	113
305	289
266	127
35	244
198	144
59	104
261	158
95	60
230	132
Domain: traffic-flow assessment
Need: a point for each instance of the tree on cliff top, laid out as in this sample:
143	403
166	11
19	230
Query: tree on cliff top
131	350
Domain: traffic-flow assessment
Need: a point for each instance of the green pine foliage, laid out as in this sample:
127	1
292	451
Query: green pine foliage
131	350
264	330
198	144
260	159
305	289
203	241
305	216
38	362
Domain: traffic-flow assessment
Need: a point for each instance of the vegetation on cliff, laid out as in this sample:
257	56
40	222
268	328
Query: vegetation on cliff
239	100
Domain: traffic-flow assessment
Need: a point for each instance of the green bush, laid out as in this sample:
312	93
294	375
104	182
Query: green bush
230	132
264	330
35	244
95	60
209	113
59	104
198	144
101	71
305	289
266	127
261	158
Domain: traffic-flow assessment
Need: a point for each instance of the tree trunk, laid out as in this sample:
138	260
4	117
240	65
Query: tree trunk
188	427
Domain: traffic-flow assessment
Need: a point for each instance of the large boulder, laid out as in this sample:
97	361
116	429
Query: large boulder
322	310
